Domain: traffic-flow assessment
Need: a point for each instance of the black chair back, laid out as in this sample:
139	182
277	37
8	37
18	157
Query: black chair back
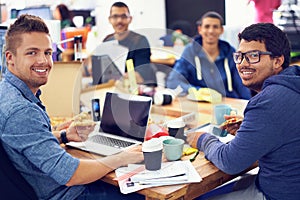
12	184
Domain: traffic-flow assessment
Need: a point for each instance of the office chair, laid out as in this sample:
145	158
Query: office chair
12	184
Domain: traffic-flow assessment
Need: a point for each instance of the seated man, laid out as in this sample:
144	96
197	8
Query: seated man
207	62
26	133
138	45
269	132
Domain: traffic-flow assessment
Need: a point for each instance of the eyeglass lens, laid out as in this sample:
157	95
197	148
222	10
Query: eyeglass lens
251	57
115	17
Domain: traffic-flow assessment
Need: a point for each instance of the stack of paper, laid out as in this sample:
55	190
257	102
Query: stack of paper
177	172
171	172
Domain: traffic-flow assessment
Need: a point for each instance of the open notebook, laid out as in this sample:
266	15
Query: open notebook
123	124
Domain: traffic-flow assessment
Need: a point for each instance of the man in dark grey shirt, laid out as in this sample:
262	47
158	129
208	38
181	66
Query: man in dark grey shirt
138	45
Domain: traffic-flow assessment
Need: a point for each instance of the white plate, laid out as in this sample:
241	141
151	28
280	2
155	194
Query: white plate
192	98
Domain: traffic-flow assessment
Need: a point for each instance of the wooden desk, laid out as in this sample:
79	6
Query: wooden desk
179	106
212	176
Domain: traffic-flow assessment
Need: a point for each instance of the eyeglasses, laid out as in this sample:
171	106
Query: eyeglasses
123	17
251	57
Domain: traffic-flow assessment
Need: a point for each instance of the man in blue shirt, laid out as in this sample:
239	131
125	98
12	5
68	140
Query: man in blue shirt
25	130
207	62
270	131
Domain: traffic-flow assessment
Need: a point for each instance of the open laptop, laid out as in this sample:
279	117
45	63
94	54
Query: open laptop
104	69
124	120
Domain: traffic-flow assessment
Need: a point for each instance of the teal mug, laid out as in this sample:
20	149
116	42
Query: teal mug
173	148
221	110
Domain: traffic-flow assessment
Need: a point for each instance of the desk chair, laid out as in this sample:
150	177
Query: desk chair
12	184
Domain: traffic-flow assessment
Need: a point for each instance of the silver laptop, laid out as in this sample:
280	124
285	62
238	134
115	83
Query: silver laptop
123	124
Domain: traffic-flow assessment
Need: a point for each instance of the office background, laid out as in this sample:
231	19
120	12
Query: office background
149	17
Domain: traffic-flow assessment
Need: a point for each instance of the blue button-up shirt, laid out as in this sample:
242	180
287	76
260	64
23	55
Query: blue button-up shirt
26	135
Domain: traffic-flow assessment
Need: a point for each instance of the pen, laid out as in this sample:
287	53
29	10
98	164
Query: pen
196	128
194	157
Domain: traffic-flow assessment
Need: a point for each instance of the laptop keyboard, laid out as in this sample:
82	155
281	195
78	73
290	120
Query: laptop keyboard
110	141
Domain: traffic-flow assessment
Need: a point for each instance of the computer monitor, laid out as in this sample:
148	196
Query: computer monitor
104	69
3	30
43	12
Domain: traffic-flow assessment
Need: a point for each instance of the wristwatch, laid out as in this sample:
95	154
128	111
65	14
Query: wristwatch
63	137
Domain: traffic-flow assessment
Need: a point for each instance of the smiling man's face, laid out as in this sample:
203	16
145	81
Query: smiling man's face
254	75
120	19
32	61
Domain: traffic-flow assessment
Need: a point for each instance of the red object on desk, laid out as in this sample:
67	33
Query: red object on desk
155	131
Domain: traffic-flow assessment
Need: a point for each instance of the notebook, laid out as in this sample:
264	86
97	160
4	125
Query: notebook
124	119
104	69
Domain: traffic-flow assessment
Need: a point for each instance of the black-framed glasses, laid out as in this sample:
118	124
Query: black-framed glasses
251	57
123	17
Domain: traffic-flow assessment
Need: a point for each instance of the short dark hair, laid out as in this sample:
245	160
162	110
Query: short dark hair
275	39
64	12
210	14
24	24
120	4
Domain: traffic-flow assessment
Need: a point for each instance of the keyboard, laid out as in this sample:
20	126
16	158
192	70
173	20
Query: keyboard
110	141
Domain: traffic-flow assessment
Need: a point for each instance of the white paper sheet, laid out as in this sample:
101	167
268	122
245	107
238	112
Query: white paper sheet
128	186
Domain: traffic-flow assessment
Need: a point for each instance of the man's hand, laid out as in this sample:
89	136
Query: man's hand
79	133
192	138
80	128
63	125
128	156
232	123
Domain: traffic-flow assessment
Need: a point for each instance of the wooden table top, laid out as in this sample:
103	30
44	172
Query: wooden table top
211	176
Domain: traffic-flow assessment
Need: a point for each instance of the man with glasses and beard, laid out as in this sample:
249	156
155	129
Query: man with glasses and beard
270	129
138	45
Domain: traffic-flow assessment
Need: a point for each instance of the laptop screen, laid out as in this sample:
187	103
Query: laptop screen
104	69
43	12
126	115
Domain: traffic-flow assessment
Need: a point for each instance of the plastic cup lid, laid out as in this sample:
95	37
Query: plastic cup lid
175	124
155	144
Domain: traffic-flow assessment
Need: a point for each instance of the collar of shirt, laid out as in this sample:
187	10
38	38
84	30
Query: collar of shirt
24	89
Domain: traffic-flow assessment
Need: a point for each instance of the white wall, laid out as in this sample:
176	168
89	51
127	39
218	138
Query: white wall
239	14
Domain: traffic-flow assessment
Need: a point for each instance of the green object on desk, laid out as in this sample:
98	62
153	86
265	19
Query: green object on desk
194	157
295	54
